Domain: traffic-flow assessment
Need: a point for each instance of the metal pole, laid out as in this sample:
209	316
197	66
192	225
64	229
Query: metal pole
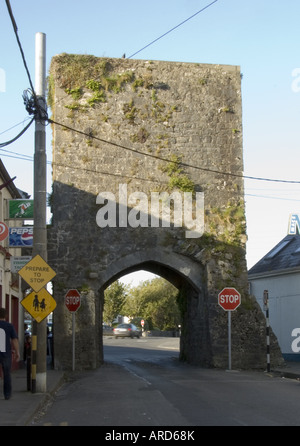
39	382
266	305
229	340
73	341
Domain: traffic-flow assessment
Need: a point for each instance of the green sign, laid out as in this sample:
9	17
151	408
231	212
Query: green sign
21	209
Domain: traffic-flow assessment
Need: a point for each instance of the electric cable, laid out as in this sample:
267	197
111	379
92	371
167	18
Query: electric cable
19	43
4	144
175	27
33	104
14	126
34	108
206	169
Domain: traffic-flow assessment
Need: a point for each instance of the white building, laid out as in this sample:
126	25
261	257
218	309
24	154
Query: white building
278	272
10	283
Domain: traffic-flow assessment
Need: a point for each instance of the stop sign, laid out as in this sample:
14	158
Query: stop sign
72	300
229	299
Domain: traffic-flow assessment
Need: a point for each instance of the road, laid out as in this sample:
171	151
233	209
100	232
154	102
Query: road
143	384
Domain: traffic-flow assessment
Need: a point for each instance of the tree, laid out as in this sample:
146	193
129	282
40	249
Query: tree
114	299
155	302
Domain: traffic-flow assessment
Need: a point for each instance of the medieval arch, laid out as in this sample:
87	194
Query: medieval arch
186	276
125	131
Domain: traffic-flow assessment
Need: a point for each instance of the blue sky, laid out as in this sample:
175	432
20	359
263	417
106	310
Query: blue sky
262	37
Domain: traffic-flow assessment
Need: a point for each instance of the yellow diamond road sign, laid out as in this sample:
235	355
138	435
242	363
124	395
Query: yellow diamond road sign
37	273
39	304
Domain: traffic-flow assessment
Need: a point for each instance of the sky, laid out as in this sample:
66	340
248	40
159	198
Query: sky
262	37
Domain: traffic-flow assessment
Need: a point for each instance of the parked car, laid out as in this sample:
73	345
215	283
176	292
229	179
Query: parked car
126	330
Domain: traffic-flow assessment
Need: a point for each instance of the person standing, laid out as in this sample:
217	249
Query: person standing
8	344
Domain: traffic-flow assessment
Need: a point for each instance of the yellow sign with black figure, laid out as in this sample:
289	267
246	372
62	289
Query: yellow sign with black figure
37	273
39	304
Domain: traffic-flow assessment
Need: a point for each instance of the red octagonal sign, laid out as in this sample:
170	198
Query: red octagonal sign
72	300
229	299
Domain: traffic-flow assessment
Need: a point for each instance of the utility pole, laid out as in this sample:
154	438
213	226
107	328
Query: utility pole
39	334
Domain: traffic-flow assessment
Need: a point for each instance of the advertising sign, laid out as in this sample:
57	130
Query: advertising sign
21	237
294	225
3	231
20	209
17	262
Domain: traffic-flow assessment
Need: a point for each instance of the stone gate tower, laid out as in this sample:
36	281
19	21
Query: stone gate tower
147	174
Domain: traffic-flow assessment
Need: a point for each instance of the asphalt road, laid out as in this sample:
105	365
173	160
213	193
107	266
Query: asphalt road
143	384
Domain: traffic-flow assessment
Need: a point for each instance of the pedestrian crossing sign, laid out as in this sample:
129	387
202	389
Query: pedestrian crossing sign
39	305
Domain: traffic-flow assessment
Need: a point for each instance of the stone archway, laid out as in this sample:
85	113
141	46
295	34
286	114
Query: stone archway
124	132
186	276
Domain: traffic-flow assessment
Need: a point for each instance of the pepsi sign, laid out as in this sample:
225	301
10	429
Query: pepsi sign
21	237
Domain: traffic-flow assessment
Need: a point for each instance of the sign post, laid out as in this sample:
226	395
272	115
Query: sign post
266	307
73	302
39	303
229	299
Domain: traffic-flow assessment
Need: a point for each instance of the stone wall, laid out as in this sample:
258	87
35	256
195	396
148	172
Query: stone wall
150	127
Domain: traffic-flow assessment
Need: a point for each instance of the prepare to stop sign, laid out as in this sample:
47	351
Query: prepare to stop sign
72	300
229	299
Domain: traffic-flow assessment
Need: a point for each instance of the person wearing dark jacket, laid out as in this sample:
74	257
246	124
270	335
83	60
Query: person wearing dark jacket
9	345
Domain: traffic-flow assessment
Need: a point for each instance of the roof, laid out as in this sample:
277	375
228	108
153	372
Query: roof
284	256
4	175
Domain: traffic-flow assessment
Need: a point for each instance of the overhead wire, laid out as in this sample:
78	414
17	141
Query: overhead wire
32	104
14	126
33	107
183	164
172	29
20	46
4	144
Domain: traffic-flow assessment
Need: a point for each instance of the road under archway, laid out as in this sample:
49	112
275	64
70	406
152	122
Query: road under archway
195	345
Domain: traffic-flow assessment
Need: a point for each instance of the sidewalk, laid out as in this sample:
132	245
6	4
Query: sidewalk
291	369
23	404
19	410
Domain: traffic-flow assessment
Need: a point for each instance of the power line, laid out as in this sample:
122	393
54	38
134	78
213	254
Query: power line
172	29
32	104
16	155
270	197
206	169
16	125
33	107
19	43
4	144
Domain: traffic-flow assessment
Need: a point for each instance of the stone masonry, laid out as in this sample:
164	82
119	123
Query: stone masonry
124	130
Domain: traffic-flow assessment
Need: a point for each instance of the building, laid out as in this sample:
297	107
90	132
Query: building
10	282
278	272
